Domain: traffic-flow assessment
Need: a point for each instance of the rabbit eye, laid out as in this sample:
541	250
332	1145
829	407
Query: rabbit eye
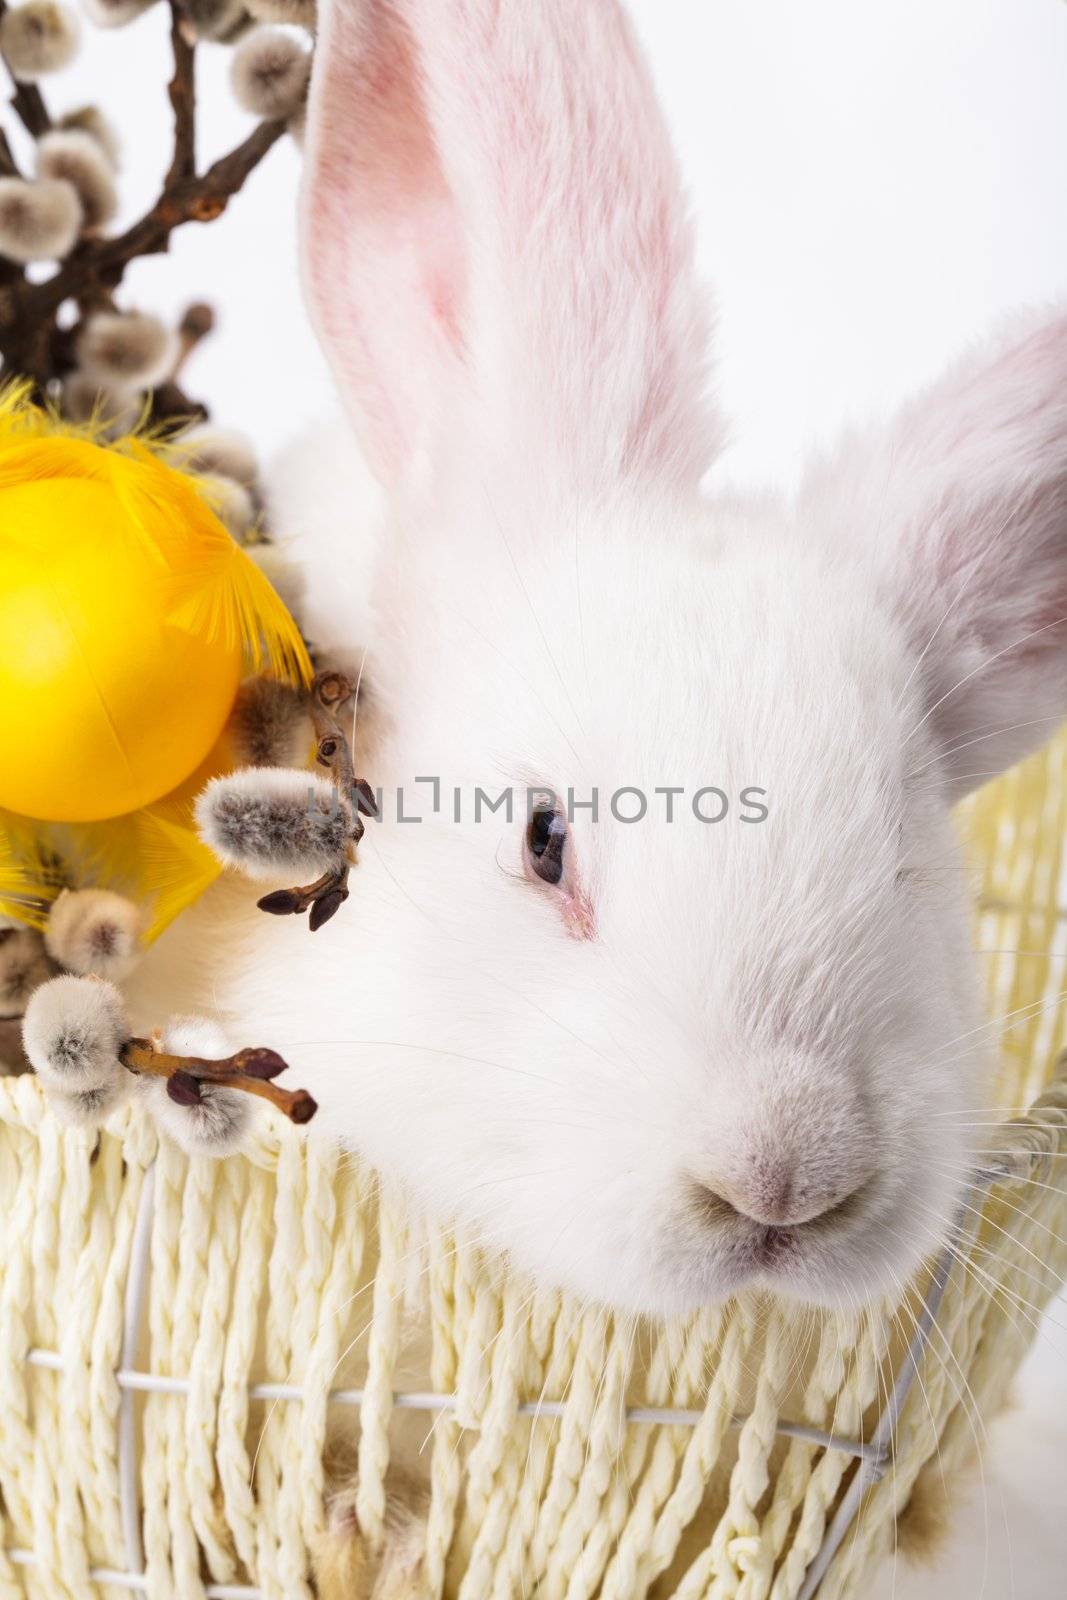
546	837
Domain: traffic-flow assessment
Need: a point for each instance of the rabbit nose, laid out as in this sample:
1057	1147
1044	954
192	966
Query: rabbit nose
774	1195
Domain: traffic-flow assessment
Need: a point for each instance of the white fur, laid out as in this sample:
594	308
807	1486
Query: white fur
332	534
92	1107
774	1017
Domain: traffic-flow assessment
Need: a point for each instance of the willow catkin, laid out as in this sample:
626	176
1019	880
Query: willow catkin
39	37
125	347
270	72
74	156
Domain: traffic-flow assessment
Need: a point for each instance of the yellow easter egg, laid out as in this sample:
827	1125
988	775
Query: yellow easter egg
106	701
128	615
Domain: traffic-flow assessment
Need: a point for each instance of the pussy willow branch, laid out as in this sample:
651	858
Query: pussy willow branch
30	343
28	101
181	92
330	691
193	199
251	1071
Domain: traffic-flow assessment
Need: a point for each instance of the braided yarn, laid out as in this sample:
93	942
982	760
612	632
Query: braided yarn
305	1343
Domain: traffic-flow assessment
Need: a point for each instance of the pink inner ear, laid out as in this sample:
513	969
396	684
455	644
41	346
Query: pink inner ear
382	256
964	497
491	205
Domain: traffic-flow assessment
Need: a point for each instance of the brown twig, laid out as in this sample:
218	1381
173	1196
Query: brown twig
190	200
329	692
29	103
8	164
181	92
12	1056
251	1071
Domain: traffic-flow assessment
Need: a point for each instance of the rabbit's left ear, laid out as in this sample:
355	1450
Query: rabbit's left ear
961	507
496	249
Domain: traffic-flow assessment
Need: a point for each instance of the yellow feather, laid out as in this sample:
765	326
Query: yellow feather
14	884
229	599
153	856
208	584
29	877
176	867
144	609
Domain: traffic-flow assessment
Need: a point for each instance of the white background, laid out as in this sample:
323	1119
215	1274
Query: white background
875	183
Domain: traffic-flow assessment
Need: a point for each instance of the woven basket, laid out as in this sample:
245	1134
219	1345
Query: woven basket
180	1341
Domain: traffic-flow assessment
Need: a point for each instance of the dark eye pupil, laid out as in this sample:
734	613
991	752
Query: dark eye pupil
545	837
541	831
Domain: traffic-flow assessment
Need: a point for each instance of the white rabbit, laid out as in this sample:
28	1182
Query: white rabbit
708	1054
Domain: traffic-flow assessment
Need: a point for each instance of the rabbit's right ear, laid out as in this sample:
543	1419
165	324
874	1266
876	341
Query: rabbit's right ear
494	239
